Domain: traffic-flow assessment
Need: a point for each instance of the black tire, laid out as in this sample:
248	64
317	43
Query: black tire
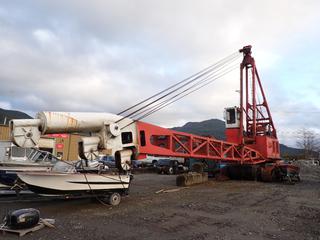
170	171
154	163
275	175
258	174
114	199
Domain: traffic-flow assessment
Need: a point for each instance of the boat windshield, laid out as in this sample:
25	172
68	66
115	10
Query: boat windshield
40	156
62	166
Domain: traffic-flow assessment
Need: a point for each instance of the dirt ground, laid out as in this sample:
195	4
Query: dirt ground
215	210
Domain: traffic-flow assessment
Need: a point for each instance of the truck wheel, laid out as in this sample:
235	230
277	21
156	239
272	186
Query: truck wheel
154	163
114	199
170	170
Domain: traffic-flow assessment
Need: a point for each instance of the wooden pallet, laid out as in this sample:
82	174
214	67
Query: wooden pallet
23	232
43	223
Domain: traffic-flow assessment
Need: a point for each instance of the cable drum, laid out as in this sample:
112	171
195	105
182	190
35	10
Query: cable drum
25	132
114	129
88	147
123	159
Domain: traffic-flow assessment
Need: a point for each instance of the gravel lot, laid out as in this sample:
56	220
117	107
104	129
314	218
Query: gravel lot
215	210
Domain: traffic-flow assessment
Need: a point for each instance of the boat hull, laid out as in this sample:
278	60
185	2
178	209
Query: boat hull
52	183
8	174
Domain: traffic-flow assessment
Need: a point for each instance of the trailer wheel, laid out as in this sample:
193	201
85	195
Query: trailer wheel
170	171
114	199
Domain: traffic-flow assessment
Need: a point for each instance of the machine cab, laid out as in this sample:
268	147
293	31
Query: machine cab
232	117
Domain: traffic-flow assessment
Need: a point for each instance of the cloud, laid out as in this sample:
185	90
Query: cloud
5	105
107	55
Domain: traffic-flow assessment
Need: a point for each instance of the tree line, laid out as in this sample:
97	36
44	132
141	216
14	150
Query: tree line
309	142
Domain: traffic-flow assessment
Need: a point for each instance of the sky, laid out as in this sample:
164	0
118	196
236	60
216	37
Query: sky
104	56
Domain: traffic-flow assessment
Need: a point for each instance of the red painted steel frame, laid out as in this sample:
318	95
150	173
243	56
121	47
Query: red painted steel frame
255	143
259	132
154	140
257	115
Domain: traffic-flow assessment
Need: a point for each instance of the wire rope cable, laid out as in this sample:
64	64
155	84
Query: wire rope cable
180	82
194	78
206	79
172	100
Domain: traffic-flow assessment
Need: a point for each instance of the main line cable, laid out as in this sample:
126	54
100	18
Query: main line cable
203	81
211	80
168	103
172	91
178	83
210	76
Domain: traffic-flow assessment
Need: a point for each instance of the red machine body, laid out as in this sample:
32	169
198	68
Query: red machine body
250	133
251	138
255	127
154	140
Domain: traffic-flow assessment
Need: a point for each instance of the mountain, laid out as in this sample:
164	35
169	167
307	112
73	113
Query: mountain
290	151
216	128
7	115
211	127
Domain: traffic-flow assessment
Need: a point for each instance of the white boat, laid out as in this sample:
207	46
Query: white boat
55	183
68	180
36	160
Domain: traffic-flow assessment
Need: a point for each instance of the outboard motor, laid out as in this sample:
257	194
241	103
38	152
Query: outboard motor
22	218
